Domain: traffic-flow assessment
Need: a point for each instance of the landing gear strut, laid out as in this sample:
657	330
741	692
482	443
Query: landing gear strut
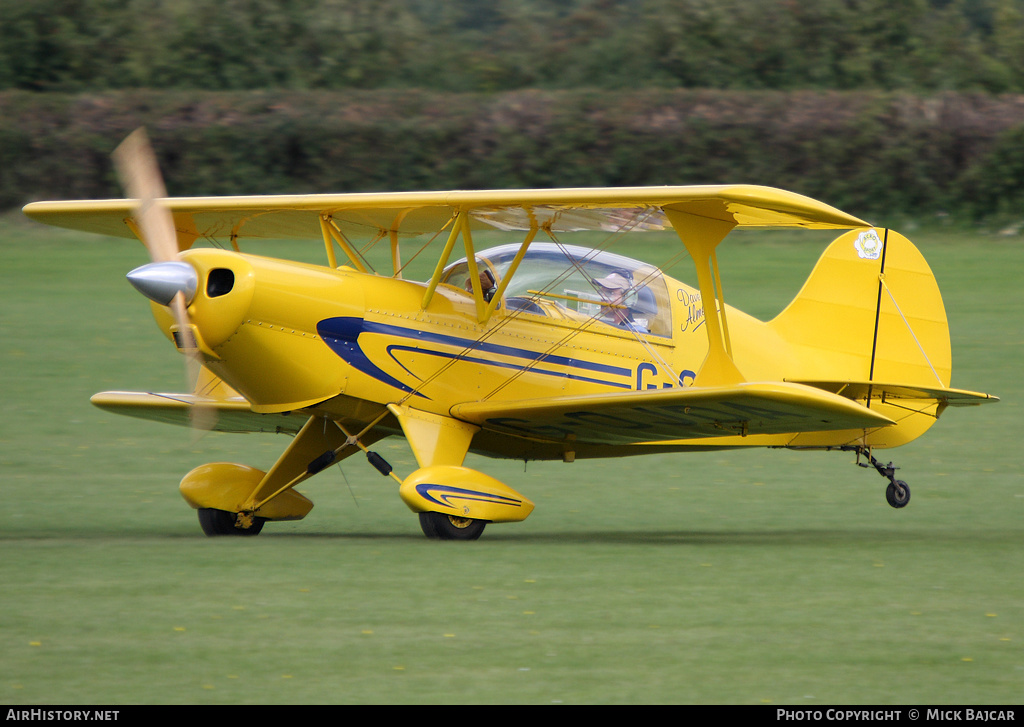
897	494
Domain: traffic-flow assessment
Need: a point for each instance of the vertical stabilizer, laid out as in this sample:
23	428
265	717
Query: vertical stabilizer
871	312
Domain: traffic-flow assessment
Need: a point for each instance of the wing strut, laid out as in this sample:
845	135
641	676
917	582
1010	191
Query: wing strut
453	236
330	232
701	236
507	278
484	309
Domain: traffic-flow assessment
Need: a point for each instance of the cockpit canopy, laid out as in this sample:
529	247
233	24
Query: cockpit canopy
568	282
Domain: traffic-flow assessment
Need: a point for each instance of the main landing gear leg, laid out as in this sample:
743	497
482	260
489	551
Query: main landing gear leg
897	494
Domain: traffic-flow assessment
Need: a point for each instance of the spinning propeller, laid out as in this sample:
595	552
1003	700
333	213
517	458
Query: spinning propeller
165	280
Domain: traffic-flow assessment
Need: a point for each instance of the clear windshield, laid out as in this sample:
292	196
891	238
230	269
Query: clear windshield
587	283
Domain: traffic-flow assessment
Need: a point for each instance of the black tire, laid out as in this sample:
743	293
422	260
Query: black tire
439	526
897	494
219	522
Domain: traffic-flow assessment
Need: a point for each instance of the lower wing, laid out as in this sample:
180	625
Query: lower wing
233	414
672	414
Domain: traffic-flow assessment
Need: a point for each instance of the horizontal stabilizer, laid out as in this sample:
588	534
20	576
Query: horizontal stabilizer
672	414
863	390
233	414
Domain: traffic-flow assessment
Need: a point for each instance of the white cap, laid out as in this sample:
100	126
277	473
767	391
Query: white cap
613	281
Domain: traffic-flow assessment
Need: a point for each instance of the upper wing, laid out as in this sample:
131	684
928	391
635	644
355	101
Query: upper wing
414	213
671	414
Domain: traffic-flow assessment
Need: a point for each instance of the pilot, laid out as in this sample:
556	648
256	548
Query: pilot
487	284
615	288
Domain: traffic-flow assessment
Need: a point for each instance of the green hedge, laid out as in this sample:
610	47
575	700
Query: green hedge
504	45
861	151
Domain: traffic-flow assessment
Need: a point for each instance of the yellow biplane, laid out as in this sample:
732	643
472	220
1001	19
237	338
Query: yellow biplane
534	350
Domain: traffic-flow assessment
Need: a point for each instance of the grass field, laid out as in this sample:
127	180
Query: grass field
743	578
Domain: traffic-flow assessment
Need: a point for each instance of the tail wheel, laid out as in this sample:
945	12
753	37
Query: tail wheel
220	522
897	494
439	526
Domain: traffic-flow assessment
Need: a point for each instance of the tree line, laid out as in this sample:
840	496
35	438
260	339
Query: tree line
503	45
871	153
870	105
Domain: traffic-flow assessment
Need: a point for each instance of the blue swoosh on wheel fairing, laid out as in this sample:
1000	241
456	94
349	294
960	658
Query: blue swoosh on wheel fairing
426	489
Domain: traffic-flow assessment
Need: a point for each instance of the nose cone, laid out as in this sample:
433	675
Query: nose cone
160	282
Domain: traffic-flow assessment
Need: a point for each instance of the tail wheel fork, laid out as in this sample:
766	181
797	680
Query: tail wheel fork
897	493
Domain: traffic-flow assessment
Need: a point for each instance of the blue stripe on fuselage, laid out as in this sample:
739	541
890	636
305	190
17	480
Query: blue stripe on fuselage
341	335
499	364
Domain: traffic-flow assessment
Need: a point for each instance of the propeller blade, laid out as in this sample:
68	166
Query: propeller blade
137	168
165	280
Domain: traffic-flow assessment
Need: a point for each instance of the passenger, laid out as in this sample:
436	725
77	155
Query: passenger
614	289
